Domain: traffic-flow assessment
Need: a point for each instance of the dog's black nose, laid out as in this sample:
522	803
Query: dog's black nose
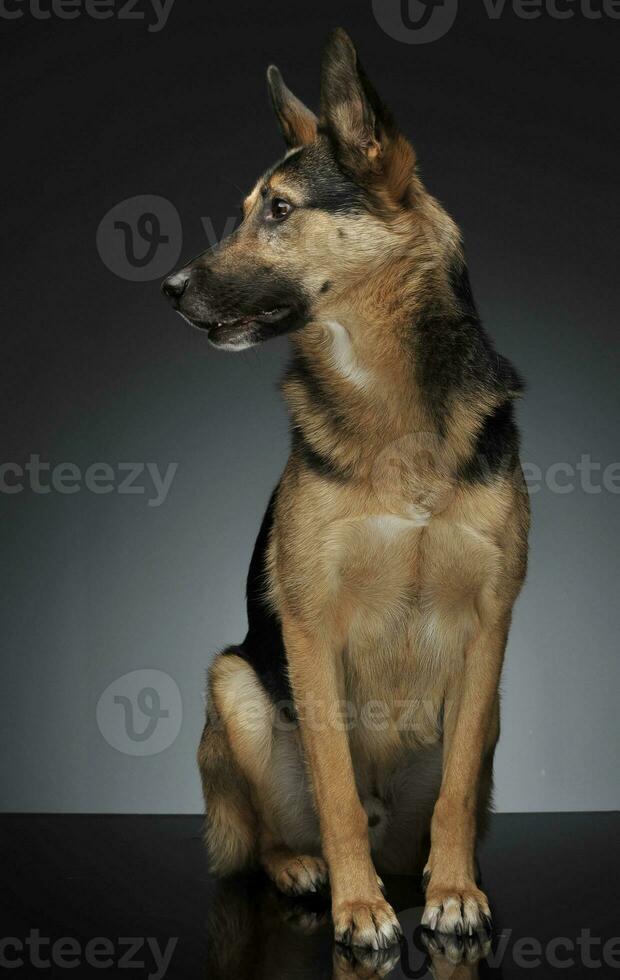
174	286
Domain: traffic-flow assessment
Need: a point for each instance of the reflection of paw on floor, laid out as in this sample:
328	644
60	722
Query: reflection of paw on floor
455	957
365	964
255	931
302	917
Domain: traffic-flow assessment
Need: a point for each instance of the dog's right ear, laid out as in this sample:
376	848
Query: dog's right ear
297	122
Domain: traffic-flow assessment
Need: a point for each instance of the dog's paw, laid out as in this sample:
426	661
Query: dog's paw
368	924
462	912
296	874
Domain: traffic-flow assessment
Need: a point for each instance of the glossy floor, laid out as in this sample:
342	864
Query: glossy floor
130	896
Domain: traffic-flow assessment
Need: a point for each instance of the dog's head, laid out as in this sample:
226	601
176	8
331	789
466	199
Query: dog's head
317	223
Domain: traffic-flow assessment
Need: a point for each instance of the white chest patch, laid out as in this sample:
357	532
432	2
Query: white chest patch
344	357
390	526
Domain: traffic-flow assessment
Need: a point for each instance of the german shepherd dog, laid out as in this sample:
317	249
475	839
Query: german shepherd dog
354	728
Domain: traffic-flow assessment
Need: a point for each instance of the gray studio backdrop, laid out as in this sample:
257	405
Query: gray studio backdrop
124	568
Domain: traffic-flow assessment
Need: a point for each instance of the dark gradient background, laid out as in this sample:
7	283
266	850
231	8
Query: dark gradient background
515	123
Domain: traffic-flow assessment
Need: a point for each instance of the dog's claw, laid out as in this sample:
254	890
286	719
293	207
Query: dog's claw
487	922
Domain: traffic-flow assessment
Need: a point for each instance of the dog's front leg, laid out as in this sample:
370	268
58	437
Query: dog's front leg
361	915
454	903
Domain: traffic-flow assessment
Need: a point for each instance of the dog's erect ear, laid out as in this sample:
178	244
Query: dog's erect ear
366	138
297	122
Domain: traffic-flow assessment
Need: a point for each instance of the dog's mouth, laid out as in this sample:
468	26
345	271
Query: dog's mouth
261	316
238	332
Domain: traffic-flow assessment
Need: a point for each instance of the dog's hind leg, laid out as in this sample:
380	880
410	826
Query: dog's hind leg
254	784
290	844
231	823
291	873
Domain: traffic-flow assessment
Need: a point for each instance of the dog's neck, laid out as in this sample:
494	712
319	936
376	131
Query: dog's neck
366	375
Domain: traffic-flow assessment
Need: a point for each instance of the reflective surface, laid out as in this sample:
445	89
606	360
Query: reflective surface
103	895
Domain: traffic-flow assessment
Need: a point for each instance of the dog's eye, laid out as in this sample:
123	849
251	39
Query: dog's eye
279	209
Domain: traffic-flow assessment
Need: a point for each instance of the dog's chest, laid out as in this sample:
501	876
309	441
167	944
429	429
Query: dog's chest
374	561
412	583
412	587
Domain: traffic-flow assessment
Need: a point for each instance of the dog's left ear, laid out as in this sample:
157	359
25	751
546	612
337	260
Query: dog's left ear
367	140
297	122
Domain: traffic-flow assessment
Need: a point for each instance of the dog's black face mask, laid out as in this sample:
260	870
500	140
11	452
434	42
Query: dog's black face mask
238	304
274	273
306	229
